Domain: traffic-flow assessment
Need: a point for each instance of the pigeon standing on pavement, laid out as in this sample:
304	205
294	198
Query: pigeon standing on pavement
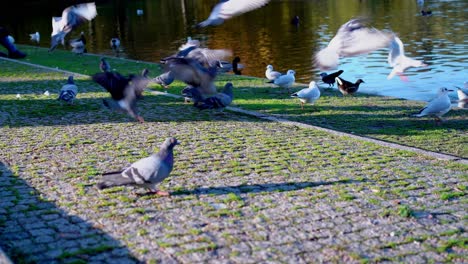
308	95
146	172
71	18
352	39
69	91
226	9
438	107
330	78
219	100
398	60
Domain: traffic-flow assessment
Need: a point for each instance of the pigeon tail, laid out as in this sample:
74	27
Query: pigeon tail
114	179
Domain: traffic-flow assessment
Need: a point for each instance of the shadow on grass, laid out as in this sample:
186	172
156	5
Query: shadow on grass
35	230
262	188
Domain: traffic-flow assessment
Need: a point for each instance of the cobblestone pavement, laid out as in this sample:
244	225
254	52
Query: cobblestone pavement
244	190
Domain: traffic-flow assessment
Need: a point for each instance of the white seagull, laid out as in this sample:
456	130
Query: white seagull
227	9
285	81
308	95
271	74
438	106
398	60
351	39
462	97
71	18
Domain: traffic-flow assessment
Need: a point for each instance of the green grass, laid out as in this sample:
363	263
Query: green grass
379	117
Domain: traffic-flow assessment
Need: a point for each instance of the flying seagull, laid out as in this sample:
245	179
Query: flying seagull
72	17
398	60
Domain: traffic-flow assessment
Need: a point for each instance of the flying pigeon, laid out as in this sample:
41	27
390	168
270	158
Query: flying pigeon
227	9
206	57
271	74
398	60
330	78
285	81
352	39
308	95
165	79
124	91
69	91
438	106
193	73
72	17
35	37
146	172
347	87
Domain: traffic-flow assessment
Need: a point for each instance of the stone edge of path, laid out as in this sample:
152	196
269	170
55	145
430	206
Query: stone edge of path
291	123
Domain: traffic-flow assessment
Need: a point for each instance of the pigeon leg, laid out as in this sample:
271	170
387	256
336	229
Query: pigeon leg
140	119
302	105
162	193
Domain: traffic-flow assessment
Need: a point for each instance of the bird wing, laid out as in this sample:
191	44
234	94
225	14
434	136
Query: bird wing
233	8
364	40
437	105
77	15
113	82
56	25
396	51
208	56
143	170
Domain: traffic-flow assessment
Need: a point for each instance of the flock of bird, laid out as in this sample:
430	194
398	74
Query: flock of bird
198	67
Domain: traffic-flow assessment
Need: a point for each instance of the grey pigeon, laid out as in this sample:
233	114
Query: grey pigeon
352	39
104	65
71	18
147	172
193	73
69	91
217	101
165	79
227	9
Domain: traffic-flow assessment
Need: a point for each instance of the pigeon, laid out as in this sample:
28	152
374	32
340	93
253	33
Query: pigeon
79	45
438	106
139	12
295	21
219	100
124	91
72	17
285	81
190	43
193	73
330	78
115	44
146	172
426	13
398	60
191	94
11	39
206	57
271	74
226	9
104	65
68	91
347	87
352	39
308	95
35	37
165	79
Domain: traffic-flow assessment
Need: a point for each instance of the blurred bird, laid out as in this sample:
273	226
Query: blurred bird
35	37
226	9
285	81
308	95
124	91
11	39
115	43
146	172
193	73
190	43
165	79
104	65
71	18
438	106
330	78
219	100
235	66
295	21
426	13
398	60
351	39
79	44
46	93
271	74
347	87
69	91
206	57
139	12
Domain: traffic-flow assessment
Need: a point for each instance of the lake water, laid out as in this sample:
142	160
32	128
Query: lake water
266	36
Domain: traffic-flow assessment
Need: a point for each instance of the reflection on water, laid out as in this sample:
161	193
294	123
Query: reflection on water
266	36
